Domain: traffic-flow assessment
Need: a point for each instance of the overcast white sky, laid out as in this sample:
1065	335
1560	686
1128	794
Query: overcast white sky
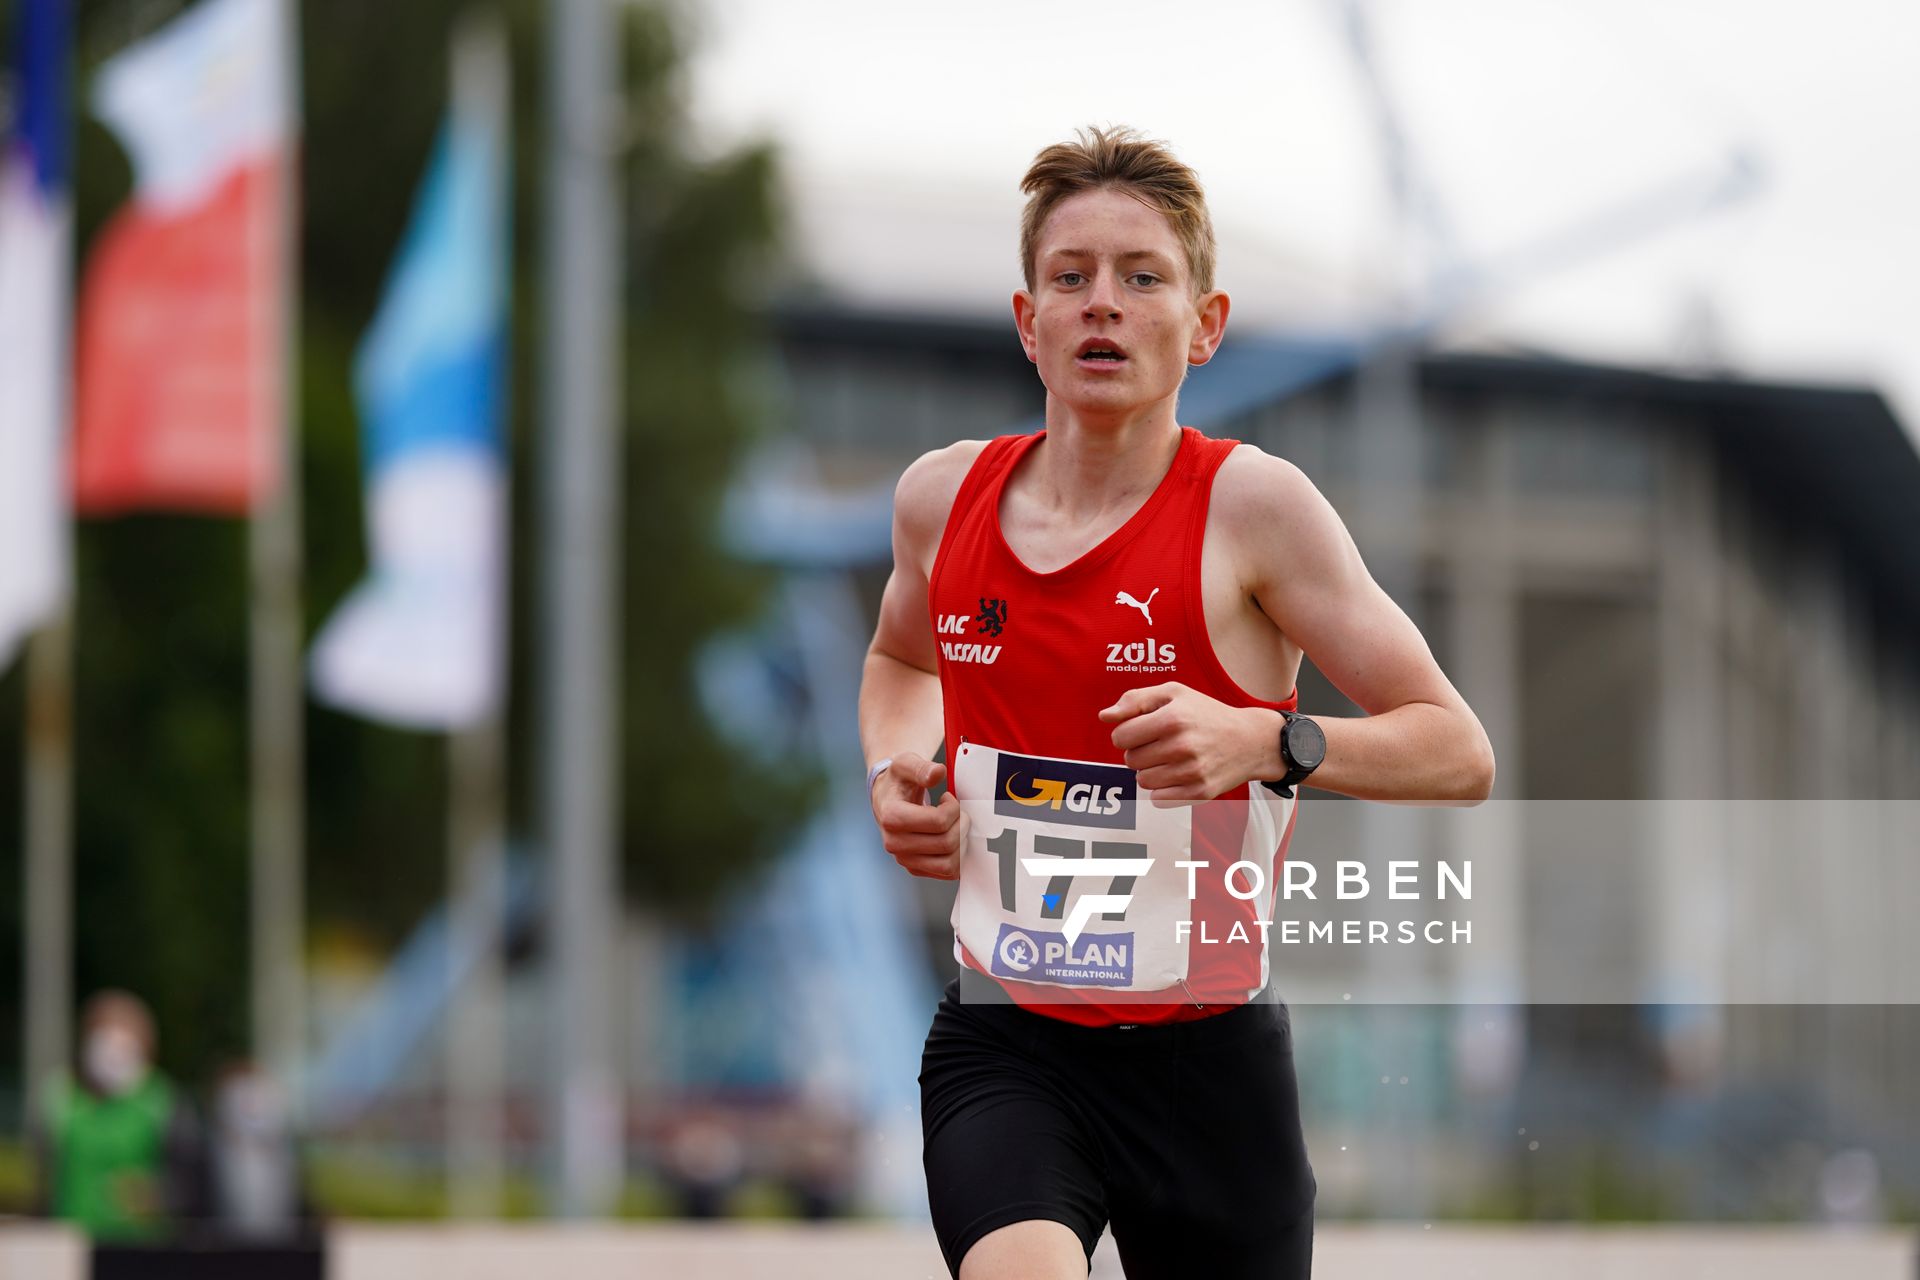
906	127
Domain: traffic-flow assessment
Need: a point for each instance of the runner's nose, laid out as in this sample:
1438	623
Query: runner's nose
1103	297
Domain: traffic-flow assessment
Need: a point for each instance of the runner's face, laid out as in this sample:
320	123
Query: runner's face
1109	271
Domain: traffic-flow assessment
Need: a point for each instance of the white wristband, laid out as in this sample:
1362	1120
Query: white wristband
879	767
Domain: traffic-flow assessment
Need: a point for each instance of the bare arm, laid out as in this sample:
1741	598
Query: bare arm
900	709
1418	742
901	716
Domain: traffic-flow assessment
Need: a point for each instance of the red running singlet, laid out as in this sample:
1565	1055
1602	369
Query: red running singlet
1027	661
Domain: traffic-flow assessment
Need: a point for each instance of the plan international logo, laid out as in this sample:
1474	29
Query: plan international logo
1037	955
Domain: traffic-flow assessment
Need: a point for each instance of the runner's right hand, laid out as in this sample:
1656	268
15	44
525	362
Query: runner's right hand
926	839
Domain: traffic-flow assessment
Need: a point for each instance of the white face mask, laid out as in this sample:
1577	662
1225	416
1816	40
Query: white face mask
114	1060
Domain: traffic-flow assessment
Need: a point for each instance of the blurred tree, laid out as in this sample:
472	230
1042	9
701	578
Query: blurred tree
702	237
161	631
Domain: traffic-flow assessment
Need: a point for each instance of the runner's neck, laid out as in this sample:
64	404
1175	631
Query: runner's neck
1081	472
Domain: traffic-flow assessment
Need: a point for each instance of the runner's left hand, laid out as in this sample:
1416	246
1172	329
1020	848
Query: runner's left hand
1187	747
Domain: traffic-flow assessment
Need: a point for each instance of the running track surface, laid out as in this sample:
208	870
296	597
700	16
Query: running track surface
834	1252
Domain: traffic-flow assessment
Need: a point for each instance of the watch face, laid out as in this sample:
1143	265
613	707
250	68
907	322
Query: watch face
1306	743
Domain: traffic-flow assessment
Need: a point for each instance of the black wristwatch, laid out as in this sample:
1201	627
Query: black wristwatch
1302	747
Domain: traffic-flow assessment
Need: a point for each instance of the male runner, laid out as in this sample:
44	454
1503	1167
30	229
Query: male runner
1104	621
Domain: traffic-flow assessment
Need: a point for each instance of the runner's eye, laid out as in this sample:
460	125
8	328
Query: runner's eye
1070	278
1147	276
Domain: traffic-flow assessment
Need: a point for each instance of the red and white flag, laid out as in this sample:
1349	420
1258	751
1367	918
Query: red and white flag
181	350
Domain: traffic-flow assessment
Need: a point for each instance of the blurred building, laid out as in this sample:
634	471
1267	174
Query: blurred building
1650	587
1751	541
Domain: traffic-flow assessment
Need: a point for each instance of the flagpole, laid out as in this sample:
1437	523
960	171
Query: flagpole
277	695
476	1041
476	775
48	976
580	614
49	840
278	814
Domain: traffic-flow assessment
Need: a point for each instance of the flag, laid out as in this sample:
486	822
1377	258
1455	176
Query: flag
35	238
183	306
420	643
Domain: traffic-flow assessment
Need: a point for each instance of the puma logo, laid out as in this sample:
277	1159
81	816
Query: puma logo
1141	605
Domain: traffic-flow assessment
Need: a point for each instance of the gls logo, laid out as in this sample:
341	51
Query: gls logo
1064	791
1081	797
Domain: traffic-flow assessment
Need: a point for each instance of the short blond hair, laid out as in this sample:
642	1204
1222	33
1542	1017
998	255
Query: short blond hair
1119	158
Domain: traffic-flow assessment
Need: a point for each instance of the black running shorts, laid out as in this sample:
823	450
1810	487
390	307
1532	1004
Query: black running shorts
1186	1137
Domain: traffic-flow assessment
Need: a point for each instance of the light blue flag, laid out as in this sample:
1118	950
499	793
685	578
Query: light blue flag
422	641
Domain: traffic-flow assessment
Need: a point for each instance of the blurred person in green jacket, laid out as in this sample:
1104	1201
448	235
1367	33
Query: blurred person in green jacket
117	1145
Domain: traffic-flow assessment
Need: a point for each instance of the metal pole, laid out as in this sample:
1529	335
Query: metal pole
49	836
277	690
278	816
1389	513
581	611
48	976
476	1128
476	799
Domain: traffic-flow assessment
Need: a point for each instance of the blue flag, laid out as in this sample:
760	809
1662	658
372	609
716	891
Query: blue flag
421	642
35	284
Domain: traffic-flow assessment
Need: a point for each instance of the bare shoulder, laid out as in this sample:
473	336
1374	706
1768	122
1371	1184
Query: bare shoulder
1279	527
925	494
1259	493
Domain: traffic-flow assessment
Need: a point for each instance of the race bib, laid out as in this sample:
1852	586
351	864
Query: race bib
1070	875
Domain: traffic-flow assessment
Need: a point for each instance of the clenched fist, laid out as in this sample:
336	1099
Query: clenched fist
1188	748
926	839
